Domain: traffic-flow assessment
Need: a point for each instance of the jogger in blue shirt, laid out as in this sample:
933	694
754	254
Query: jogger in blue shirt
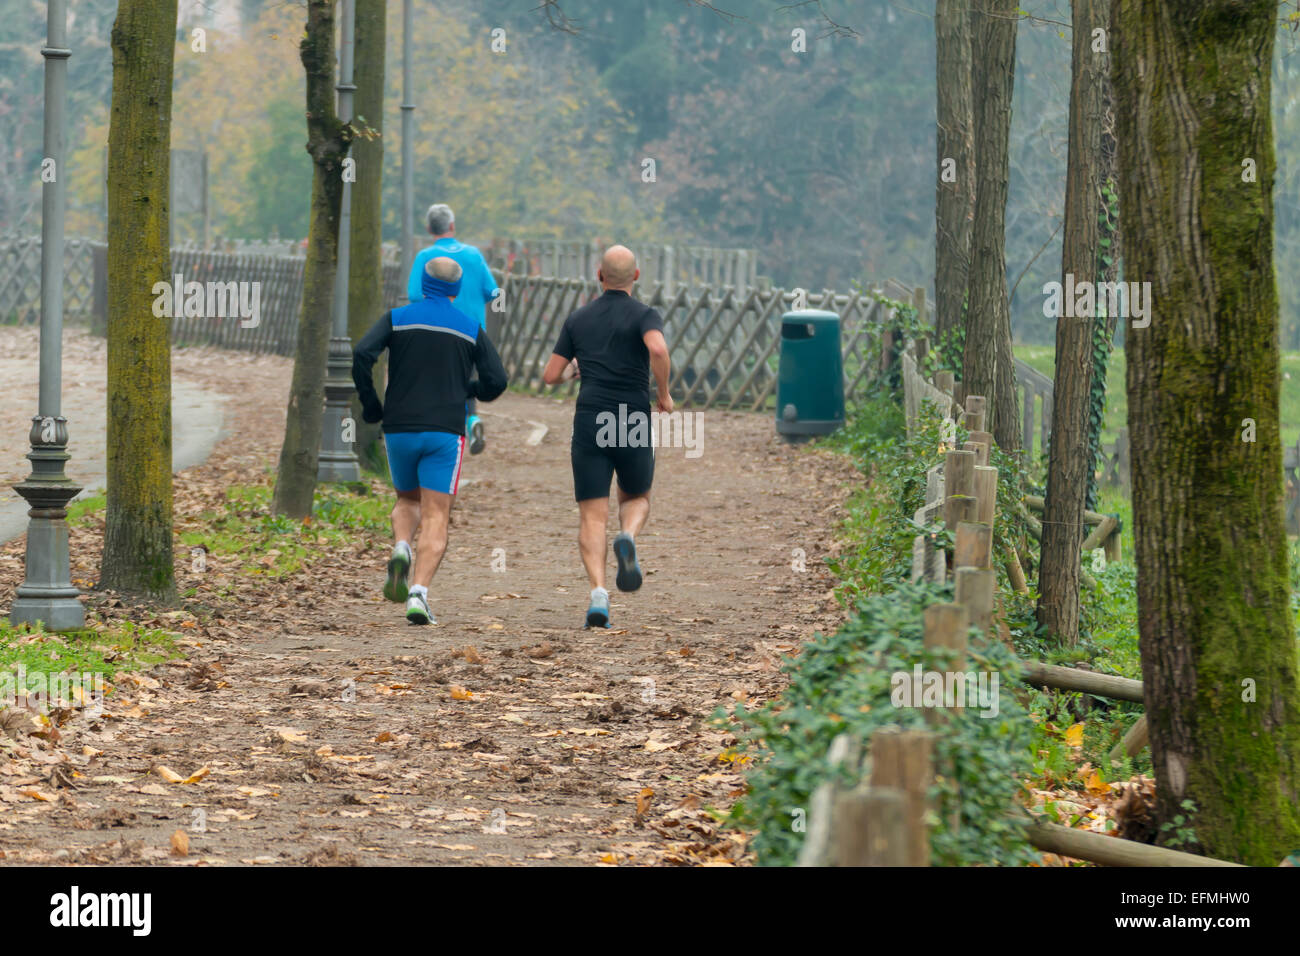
478	288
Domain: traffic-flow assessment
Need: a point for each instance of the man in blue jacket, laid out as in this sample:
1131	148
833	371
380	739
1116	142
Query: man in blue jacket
478	288
433	351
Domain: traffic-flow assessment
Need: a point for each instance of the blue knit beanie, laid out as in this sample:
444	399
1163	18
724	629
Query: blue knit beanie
433	287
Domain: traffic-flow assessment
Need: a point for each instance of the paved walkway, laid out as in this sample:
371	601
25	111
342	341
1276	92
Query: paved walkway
196	416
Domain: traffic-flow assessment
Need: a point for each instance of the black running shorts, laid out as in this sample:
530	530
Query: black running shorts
609	443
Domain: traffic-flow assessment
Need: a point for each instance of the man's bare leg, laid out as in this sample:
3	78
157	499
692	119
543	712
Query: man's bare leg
435	511
406	515
633	512
406	518
592	516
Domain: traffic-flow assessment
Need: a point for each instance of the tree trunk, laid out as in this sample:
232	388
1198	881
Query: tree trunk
955	200
986	366
1217	636
1069	459
366	282
137	556
327	142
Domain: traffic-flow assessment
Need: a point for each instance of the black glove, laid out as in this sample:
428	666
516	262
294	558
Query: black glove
372	413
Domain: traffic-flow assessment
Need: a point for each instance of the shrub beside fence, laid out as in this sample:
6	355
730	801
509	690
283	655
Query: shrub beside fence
878	808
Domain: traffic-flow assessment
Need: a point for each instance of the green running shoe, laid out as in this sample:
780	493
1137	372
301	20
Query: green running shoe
399	566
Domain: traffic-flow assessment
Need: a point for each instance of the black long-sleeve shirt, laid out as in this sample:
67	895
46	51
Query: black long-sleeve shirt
433	351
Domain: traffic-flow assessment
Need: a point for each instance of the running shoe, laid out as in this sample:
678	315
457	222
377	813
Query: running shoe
598	613
399	566
417	610
474	428
629	572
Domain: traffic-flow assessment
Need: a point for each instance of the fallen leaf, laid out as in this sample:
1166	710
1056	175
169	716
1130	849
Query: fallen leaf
180	844
460	693
1095	784
168	774
643	802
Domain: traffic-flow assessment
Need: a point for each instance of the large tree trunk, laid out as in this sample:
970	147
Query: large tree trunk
366	282
955	200
137	554
1217	636
327	142
1069	460
987	364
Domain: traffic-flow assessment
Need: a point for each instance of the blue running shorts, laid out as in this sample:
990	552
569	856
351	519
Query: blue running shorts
425	460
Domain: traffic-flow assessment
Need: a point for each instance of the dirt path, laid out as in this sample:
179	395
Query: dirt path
333	732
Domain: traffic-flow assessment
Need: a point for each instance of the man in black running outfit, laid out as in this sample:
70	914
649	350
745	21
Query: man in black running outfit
612	343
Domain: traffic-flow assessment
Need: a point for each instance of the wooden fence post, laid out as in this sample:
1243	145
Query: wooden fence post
984	439
958	481
976	408
945	629
974	589
973	545
904	761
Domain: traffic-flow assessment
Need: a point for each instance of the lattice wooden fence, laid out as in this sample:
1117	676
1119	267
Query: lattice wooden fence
20	280
280	279
667	264
724	341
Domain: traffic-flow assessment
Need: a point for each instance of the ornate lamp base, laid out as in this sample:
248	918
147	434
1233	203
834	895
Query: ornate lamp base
47	594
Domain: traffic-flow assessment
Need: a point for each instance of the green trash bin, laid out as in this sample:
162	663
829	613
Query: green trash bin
810	376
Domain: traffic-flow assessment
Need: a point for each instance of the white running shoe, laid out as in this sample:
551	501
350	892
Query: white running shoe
417	610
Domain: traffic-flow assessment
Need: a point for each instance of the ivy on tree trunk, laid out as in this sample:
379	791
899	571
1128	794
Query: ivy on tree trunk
327	143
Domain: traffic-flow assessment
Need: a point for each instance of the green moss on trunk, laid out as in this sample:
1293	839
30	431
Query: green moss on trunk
1192	86
137	556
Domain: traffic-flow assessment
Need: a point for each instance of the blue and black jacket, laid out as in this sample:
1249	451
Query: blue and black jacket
433	351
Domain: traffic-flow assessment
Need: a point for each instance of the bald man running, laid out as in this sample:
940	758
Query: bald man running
434	350
613	343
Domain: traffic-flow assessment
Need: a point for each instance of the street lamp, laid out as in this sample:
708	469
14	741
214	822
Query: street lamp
337	461
408	162
47	593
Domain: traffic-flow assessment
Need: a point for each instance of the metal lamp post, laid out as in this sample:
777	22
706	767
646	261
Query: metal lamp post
408	161
47	593
338	462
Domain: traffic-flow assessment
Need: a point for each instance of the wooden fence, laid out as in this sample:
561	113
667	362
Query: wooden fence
884	818
724	341
279	279
665	264
20	280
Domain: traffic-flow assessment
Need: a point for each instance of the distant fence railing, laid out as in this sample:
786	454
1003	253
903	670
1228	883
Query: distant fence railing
279	279
724	341
667	264
20	279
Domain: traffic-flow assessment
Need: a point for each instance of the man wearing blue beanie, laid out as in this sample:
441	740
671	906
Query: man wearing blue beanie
478	288
433	351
